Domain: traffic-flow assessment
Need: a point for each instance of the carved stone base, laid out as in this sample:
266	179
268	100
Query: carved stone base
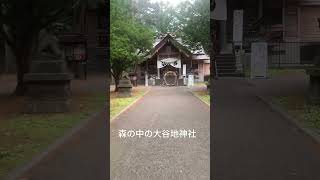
124	92
48	97
48	86
124	88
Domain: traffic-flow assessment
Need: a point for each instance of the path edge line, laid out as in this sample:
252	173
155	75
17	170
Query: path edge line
130	105
200	98
280	110
38	158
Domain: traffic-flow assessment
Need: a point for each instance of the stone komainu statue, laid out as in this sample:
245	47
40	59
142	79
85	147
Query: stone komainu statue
49	44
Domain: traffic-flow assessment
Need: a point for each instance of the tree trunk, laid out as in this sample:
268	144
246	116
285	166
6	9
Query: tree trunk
213	52
22	68
116	82
117	77
23	54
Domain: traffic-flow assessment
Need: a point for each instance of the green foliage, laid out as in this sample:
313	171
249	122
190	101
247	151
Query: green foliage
190	20
130	40
161	17
312	116
203	96
195	20
308	115
22	20
118	104
23	136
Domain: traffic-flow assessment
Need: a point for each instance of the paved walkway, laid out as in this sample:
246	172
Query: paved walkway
288	84
252	142
83	157
163	108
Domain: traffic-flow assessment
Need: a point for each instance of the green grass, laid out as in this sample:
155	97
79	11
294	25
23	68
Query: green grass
281	71
203	95
118	104
200	84
24	135
298	108
247	72
273	72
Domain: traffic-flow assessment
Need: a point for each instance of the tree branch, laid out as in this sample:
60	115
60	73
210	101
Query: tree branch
7	37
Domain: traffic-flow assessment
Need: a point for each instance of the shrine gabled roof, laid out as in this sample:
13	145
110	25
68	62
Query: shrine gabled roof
175	43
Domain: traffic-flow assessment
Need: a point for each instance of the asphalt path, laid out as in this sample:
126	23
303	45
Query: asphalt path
162	158
252	142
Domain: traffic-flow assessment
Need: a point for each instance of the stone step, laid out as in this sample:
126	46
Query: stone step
225	62
226	70
234	74
226	66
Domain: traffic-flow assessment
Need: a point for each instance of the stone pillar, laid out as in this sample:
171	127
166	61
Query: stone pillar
240	55
146	79
223	35
260	12
10	60
158	70
259	60
190	80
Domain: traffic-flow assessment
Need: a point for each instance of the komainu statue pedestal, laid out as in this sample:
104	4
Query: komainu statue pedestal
124	88
48	85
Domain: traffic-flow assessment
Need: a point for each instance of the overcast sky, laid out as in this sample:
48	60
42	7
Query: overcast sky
171	2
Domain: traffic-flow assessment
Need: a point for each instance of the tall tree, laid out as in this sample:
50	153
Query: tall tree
159	16
194	17
130	40
189	20
20	24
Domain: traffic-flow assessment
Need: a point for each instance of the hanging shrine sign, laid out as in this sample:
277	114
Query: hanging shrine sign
169	61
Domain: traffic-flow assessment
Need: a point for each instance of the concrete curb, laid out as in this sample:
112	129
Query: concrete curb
19	171
130	105
199	98
278	109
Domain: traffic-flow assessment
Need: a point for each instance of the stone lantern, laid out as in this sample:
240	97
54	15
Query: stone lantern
124	88
48	82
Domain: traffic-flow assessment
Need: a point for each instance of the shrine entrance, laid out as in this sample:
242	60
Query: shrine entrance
170	78
170	64
169	71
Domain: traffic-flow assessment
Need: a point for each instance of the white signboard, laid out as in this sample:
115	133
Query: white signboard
259	60
146	79
237	26
184	70
220	12
169	61
190	80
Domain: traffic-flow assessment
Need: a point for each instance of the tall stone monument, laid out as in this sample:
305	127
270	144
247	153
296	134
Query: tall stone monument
259	60
48	82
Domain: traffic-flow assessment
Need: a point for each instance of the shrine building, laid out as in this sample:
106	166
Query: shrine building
170	63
